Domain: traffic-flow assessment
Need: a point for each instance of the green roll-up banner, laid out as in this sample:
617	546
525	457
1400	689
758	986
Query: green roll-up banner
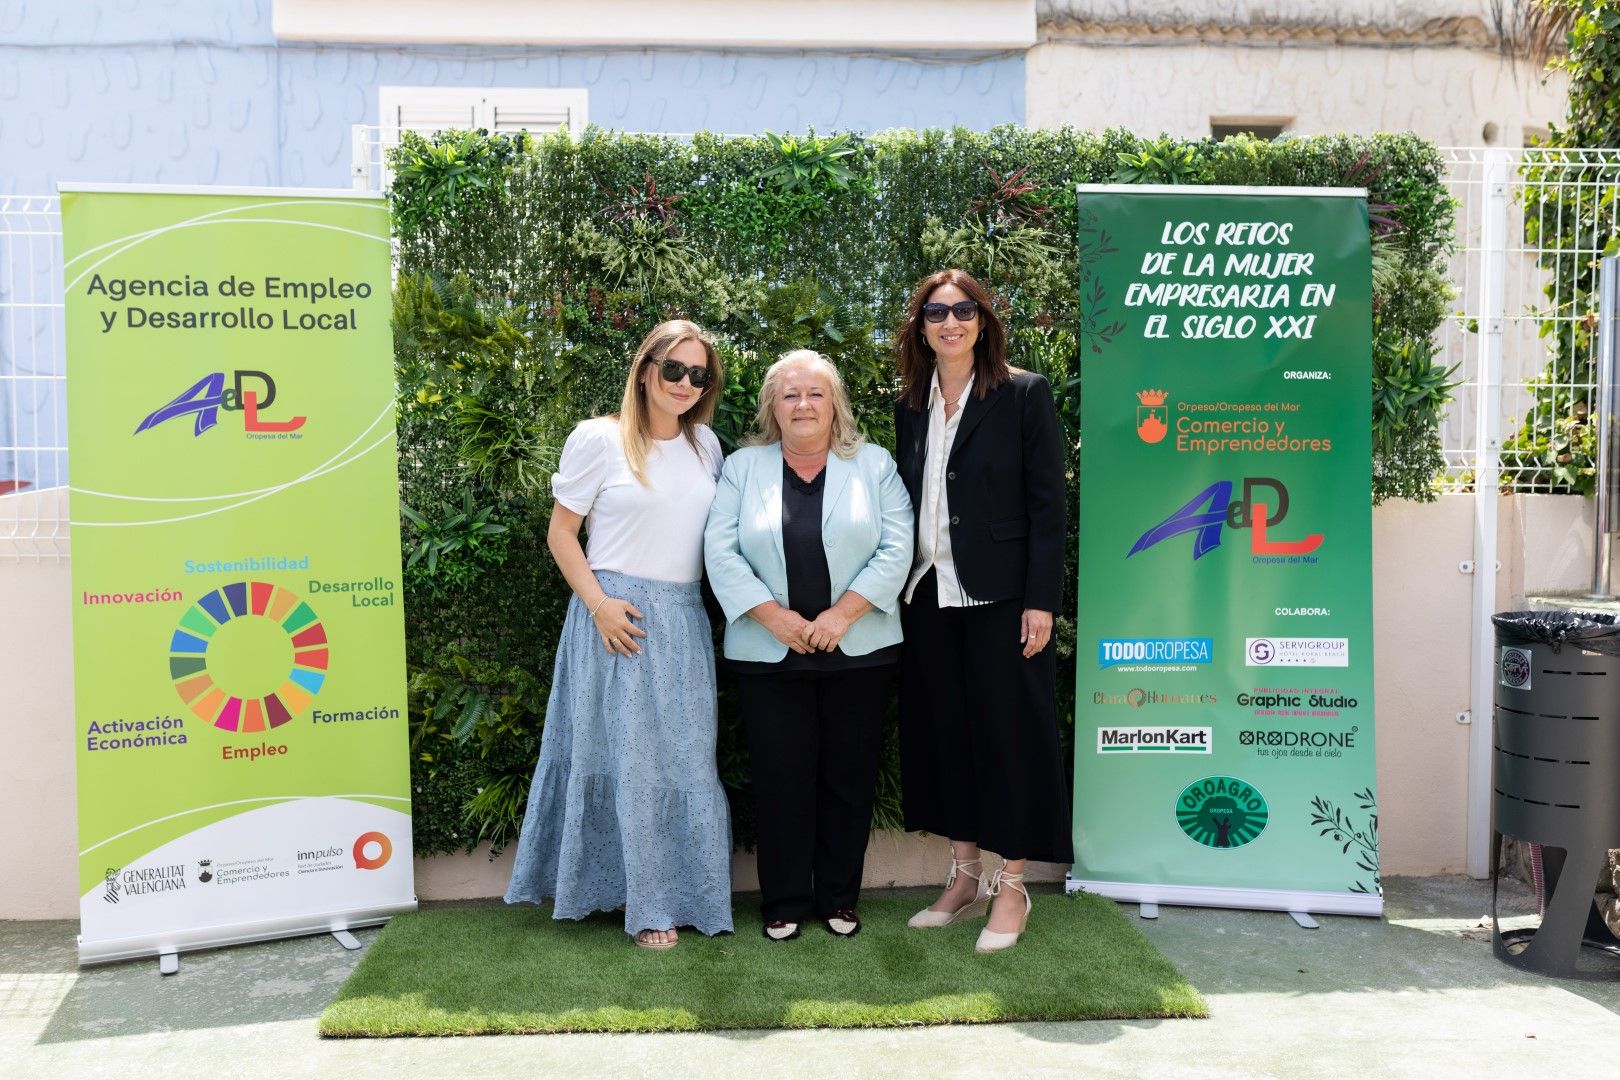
237	634
1224	696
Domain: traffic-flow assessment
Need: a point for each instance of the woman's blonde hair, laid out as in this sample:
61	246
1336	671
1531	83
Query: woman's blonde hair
635	425
846	436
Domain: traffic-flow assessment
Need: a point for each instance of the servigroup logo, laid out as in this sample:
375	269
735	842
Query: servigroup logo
384	848
1152	416
209	394
1211	509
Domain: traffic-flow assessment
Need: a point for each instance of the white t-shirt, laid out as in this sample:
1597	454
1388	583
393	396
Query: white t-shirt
652	530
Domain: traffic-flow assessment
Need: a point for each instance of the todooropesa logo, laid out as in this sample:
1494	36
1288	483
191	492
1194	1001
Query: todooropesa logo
1262	508
250	393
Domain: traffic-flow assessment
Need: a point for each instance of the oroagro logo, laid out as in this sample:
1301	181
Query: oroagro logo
1213	508
1221	812
209	394
1152	416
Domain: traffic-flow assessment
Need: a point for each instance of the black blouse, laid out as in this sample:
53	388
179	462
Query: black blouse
809	582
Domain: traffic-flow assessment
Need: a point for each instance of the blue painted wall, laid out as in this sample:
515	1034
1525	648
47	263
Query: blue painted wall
192	92
185	91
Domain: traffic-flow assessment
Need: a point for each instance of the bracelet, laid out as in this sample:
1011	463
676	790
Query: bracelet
598	606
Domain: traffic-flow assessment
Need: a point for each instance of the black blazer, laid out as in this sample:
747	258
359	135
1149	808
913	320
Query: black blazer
1005	486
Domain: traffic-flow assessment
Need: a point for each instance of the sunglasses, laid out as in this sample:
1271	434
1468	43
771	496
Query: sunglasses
965	311
672	370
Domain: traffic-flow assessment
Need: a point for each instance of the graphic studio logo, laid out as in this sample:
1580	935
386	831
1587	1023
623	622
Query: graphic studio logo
1515	668
1152	416
1221	812
204	874
1170	654
1214	507
209	394
111	881
384	850
1296	652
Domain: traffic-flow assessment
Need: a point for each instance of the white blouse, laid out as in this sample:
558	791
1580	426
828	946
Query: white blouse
652	530
934	508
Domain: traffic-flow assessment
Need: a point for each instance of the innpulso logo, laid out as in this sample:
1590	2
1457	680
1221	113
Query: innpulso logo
1214	508
209	394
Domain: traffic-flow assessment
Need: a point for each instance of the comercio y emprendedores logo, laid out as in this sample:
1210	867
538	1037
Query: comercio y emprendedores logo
1262	507
1221	812
1154	654
1152	416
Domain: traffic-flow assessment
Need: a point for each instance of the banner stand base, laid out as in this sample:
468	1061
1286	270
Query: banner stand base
168	963
1305	921
1147	910
346	939
1294	903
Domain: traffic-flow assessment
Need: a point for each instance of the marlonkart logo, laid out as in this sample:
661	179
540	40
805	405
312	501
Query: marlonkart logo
1214	508
1296	652
1516	668
1152	416
1153	740
209	394
1180	653
1221	812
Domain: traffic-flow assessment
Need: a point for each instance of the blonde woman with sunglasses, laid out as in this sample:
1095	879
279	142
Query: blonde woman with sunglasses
626	808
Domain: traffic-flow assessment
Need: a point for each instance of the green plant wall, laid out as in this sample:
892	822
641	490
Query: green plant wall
530	269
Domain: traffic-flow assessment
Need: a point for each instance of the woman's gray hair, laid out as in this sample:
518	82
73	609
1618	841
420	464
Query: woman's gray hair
846	436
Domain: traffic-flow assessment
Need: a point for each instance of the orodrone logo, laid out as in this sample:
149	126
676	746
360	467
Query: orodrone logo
1214	507
1516	668
1152	416
209	394
1221	812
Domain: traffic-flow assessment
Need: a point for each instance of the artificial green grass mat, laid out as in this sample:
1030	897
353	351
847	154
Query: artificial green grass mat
500	970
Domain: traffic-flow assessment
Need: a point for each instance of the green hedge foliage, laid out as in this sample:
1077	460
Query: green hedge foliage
530	269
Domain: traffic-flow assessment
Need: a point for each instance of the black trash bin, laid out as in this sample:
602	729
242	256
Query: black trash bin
1557	778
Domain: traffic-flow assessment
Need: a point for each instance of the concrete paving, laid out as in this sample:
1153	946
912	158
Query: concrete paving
1418	994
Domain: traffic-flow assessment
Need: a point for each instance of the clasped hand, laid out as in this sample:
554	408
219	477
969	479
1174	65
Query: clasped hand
802	635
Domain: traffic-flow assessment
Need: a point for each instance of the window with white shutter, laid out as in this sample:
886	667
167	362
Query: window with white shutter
499	109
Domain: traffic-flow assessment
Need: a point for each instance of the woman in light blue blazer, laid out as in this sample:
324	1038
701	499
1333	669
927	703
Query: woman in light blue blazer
808	544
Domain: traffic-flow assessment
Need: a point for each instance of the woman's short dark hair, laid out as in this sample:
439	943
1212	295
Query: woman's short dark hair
916	358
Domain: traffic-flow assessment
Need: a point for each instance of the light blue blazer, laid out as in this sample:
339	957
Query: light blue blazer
866	528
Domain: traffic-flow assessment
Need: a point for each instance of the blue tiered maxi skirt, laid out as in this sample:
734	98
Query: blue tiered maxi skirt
626	806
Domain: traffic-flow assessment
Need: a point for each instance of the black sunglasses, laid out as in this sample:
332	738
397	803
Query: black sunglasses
964	310
671	370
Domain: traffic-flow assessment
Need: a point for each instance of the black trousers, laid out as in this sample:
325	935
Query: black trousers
813	744
979	755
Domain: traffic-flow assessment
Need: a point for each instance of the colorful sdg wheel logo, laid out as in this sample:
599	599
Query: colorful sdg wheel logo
248	656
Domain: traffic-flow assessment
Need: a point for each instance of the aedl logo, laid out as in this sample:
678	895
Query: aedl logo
209	394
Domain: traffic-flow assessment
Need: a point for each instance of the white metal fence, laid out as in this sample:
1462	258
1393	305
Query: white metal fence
1496	337
33	400
1509	309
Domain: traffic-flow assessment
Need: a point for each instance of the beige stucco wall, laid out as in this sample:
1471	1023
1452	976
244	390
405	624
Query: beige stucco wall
1422	611
1429	66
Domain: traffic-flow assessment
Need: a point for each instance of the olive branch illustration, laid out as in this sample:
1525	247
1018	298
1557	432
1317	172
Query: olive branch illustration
1095	243
1341	829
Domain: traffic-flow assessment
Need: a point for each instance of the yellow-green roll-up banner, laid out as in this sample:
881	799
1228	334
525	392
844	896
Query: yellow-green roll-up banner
238	644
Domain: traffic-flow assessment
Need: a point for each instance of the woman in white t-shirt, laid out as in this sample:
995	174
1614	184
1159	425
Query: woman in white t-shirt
626	808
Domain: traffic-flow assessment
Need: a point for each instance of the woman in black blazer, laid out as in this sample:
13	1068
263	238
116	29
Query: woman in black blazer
981	454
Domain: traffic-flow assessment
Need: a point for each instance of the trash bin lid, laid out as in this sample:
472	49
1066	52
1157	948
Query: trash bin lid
1594	631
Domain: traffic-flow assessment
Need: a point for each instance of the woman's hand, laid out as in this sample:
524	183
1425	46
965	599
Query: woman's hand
613	623
827	631
785	624
1035	631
